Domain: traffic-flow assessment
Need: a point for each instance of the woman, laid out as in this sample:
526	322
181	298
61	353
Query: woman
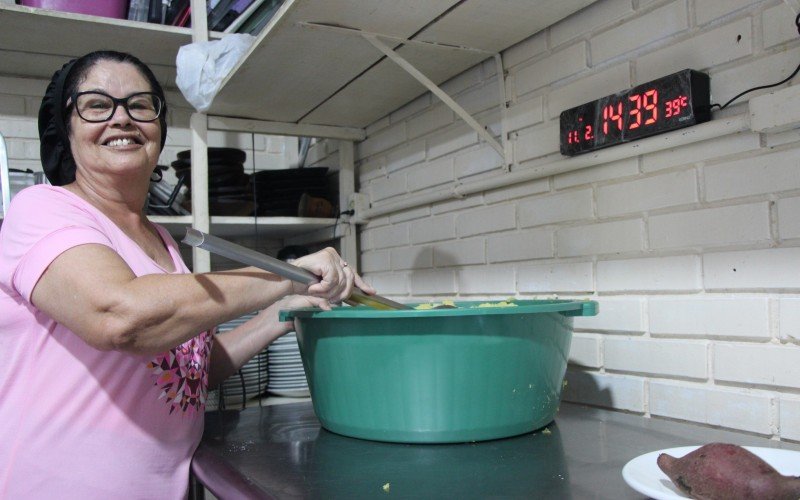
104	367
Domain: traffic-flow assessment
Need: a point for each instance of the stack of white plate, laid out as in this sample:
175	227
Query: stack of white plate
286	375
251	379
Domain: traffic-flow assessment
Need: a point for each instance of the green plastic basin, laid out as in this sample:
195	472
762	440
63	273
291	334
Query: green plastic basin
437	376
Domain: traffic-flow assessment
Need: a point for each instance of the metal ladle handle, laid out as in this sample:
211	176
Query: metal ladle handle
250	257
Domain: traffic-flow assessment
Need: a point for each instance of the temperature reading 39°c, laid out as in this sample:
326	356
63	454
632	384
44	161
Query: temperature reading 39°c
666	104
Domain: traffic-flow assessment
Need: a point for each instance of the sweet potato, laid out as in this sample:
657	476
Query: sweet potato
727	471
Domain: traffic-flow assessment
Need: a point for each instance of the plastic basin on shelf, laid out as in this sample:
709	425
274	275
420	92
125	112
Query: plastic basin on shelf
437	376
105	8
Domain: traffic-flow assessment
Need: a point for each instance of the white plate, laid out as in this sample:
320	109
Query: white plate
643	474
290	393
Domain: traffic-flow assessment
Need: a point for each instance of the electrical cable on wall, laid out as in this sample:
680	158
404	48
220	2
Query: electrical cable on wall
794	73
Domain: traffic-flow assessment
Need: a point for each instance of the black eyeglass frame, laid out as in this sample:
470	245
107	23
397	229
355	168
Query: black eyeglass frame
117	101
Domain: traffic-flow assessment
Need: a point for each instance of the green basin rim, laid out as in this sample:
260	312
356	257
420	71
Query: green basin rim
566	307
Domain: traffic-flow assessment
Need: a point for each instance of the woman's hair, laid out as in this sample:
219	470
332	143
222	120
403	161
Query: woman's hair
57	161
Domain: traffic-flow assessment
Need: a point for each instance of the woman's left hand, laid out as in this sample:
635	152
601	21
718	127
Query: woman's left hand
337	279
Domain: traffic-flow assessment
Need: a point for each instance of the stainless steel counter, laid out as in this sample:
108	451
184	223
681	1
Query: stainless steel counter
281	452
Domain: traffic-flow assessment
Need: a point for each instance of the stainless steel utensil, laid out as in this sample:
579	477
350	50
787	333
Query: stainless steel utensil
250	257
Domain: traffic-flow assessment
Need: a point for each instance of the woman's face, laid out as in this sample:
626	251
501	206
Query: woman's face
120	146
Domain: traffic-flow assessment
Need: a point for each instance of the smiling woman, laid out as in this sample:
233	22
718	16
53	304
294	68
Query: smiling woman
105	335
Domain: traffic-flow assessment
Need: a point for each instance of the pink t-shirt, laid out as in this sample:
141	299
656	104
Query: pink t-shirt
76	422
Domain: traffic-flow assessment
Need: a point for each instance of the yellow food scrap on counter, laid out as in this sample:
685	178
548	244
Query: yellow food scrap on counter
386	487
546	432
424	307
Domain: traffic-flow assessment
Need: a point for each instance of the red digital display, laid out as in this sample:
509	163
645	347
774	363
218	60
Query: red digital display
671	102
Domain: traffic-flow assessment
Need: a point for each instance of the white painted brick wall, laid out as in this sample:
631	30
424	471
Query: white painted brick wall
495	280
767	173
433	119
585	351
459	252
733	144
625	393
767	365
524	113
568	206
404	156
710	11
372	262
789	218
712	227
616	315
431	174
517	246
675	358
536	141
392	236
418	257
774	26
774	268
707	49
433	282
727	83
551	278
705	317
655	25
486	220
614	170
789	318
600	239
515	191
477	161
650	193
595	16
433	229
726	408
451	140
563	63
790	418
657	274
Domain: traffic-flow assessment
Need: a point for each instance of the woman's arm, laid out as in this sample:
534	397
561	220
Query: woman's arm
92	291
236	347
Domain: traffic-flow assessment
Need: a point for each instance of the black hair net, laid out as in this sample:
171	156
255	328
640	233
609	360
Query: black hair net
57	161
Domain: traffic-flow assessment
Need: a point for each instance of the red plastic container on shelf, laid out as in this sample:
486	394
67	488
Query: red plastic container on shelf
117	9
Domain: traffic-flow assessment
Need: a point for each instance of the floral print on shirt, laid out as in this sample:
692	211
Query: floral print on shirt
182	374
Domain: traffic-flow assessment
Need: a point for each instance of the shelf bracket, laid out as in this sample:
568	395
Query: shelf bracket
504	149
438	92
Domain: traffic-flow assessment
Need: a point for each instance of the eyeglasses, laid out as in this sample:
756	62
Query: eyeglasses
97	107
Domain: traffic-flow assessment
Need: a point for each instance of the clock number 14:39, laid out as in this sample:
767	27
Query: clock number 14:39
644	105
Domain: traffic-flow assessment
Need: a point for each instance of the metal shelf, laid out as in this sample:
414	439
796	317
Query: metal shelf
229	226
300	72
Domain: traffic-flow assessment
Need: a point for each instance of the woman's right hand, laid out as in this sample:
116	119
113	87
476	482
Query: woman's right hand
337	279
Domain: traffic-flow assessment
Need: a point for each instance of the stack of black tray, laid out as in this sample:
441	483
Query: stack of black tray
229	192
278	192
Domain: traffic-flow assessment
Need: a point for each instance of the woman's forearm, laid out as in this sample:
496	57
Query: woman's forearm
151	313
234	348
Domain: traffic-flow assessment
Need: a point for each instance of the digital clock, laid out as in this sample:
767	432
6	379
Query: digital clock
668	103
